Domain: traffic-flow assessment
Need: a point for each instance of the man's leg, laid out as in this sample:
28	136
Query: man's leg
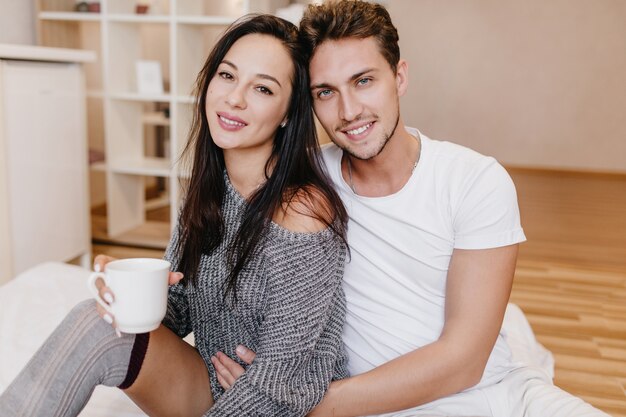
529	392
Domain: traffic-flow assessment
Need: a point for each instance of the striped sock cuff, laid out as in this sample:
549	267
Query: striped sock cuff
137	356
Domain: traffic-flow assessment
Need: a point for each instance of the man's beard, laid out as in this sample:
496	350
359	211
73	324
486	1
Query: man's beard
382	144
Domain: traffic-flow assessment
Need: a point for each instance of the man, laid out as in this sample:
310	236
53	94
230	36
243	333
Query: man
434	229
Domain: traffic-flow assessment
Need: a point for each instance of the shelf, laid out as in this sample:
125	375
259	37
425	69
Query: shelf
151	234
178	34
218	8
138	18
206	20
147	166
71	16
157	202
189	40
162	98
156	118
98	166
128	44
129	7
95	94
186	99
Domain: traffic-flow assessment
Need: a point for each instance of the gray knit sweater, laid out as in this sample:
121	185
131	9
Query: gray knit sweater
290	309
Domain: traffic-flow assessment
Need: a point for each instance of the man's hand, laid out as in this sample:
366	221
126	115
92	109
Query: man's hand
227	369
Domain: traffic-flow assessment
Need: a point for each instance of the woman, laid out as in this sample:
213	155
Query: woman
260	242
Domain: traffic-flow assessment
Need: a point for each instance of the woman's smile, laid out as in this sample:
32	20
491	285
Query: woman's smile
229	122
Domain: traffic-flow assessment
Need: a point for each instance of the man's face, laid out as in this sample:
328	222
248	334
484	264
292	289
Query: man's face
356	94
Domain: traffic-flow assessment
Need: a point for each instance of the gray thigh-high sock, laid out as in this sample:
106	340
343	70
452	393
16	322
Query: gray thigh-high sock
81	353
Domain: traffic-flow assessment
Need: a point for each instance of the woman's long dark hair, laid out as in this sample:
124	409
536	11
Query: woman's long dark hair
294	167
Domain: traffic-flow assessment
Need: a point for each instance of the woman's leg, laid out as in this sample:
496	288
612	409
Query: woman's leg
84	352
61	376
173	381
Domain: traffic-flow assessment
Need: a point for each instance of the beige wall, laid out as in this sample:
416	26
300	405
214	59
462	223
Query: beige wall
17	22
532	82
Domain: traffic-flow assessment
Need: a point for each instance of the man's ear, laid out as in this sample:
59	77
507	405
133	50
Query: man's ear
402	77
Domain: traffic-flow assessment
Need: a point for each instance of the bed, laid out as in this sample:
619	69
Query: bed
34	302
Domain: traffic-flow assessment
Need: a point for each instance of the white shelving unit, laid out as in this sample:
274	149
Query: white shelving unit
177	33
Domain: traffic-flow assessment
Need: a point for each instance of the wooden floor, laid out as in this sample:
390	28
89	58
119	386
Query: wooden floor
570	279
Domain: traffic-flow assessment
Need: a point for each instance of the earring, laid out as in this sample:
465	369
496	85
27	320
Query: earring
283	124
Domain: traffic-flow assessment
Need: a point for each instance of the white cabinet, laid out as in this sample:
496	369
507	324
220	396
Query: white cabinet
44	211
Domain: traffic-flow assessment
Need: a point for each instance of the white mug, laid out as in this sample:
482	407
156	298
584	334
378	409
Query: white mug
139	287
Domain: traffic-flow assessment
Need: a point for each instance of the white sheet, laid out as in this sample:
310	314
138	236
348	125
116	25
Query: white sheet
32	305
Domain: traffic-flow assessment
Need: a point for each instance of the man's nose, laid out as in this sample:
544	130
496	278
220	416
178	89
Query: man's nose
349	107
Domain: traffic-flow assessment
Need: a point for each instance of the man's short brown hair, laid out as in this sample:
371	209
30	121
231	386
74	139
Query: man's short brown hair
335	20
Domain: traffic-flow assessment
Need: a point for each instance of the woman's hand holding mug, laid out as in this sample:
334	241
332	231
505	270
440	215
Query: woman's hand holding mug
132	293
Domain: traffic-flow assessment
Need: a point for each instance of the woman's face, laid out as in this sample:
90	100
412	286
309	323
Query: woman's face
248	97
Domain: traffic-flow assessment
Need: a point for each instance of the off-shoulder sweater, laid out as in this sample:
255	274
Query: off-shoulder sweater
290	310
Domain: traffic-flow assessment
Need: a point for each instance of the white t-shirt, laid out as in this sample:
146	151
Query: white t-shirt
401	247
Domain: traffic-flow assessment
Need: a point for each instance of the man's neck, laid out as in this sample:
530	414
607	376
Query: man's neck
387	172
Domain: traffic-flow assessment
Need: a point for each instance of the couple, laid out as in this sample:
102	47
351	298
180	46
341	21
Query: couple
261	247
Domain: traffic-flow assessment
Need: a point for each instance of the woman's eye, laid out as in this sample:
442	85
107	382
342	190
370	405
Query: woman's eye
225	75
264	90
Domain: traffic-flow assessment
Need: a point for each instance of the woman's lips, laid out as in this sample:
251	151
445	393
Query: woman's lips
230	122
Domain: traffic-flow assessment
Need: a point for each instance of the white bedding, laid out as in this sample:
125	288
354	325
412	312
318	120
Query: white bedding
32	304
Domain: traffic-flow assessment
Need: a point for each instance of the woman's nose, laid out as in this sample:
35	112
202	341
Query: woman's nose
236	98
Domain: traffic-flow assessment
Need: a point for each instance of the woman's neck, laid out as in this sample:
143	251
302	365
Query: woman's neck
246	169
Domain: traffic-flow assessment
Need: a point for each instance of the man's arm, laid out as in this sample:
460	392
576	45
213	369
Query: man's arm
478	289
